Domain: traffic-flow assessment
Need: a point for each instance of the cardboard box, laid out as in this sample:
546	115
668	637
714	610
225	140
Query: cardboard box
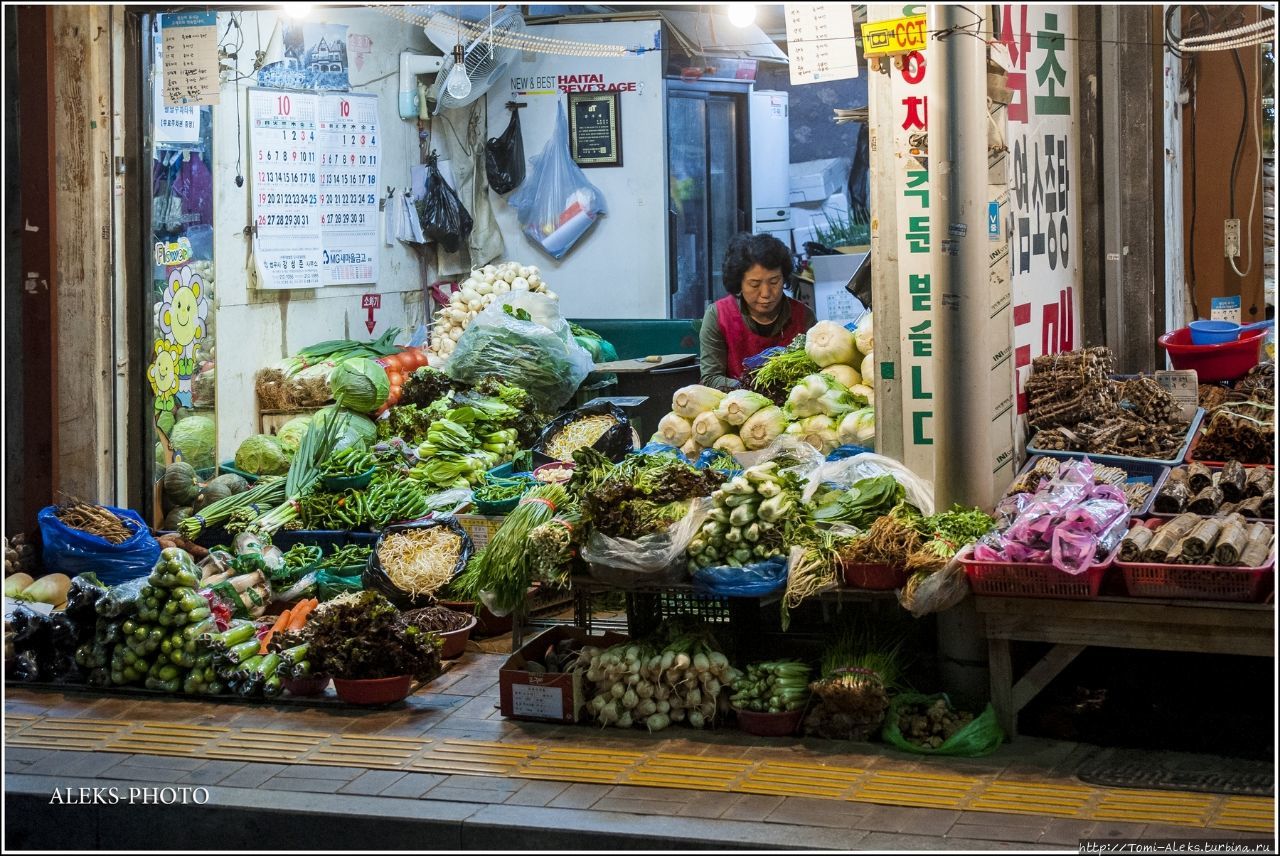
549	697
814	181
481	527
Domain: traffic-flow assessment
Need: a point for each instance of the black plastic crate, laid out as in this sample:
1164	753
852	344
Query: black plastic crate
645	612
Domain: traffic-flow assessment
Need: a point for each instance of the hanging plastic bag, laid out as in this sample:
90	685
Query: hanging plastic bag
74	551
653	559
444	219
504	157
559	205
524	339
980	737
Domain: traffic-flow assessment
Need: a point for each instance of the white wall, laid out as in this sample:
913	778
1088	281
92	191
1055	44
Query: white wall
256	328
619	268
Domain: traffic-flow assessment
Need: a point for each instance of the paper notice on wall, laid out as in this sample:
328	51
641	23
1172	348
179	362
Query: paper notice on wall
349	170
172	125
821	42
286	186
315	193
1184	386
190	57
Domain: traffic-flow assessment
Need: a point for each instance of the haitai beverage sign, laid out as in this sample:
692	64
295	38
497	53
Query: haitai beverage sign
556	84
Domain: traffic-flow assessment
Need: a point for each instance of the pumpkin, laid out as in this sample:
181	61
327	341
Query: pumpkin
173	518
180	483
211	493
235	483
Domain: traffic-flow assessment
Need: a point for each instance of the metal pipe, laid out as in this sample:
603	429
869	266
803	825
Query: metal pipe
957	87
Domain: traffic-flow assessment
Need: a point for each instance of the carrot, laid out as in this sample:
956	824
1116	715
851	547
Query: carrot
300	614
282	622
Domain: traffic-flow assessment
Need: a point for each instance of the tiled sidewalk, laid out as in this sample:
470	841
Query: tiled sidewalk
356	807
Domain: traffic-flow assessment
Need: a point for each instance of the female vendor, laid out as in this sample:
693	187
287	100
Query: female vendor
755	315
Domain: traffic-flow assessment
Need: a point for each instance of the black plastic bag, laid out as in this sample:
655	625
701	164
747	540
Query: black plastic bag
29	627
64	633
615	444
122	600
82	599
26	667
504	157
444	219
376	579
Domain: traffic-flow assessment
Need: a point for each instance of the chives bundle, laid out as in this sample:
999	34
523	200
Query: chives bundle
504	567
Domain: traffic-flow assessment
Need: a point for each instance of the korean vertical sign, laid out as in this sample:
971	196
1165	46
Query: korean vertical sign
911	180
1036	46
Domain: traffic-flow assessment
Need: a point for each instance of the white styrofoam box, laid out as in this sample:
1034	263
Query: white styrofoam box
816	180
819	214
799	236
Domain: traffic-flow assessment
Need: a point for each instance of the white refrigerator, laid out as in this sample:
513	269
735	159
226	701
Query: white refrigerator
770	163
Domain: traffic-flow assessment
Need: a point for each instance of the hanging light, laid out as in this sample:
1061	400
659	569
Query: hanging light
297	10
458	85
742	14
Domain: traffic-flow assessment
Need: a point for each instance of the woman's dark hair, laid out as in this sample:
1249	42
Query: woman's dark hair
745	250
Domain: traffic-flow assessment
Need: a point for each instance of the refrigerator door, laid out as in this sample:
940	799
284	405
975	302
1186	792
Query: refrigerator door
709	191
687	133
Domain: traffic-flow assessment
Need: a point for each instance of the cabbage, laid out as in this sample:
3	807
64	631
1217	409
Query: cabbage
360	384
193	439
862	336
358	430
262	455
291	433
828	343
868	371
858	428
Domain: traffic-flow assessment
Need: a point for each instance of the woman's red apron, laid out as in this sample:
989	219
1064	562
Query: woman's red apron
742	343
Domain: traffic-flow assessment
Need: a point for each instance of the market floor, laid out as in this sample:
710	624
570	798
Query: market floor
446	771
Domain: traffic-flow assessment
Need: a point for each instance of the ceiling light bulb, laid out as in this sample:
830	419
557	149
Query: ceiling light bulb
297	10
742	14
457	84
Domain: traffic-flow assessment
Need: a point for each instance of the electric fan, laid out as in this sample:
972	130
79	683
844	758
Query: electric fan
483	60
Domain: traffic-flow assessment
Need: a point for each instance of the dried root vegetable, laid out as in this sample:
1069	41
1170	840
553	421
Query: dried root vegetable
1150	400
1174	498
1260	481
1232	481
1207	501
1232	540
1168	536
93	519
1134	543
1258	547
1243	431
1199	542
1199	477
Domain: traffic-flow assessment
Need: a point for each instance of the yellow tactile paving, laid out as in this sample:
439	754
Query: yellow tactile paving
568	763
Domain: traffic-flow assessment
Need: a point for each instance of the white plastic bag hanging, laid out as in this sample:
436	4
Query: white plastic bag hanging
557	204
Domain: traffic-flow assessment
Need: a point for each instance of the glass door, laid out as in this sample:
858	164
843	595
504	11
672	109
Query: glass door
687	135
708	190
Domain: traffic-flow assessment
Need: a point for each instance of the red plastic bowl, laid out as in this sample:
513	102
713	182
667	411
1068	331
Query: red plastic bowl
455	641
874	577
1228	361
312	685
769	724
373	690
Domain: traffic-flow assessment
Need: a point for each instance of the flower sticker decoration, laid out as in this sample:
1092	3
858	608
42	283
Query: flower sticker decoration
184	309
163	374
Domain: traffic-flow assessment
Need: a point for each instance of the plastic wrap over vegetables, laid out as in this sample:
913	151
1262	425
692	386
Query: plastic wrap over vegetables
1069	522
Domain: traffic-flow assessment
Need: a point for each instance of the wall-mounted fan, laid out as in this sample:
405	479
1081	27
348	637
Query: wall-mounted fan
473	63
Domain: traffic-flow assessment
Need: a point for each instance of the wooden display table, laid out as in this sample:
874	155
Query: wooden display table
1115	622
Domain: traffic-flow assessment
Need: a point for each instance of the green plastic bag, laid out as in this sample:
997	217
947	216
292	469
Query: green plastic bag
329	586
980	737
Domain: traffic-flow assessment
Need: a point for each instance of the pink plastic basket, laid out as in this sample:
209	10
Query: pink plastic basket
1196	582
1014	579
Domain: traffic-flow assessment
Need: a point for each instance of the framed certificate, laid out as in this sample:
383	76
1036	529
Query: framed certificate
595	129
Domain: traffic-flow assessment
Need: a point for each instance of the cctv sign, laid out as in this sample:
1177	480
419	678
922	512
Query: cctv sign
896	36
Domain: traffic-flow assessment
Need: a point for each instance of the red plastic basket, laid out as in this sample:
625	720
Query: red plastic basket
874	577
1015	579
1196	582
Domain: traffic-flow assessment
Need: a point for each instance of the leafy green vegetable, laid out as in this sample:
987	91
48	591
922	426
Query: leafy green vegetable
360	384
363	636
193	440
862	503
262	455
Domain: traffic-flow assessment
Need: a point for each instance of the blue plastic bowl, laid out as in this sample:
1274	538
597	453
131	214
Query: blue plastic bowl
1220	332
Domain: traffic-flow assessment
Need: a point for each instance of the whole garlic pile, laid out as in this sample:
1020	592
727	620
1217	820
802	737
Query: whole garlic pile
478	290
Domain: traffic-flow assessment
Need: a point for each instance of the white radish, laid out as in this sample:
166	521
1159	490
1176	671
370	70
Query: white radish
625	720
696	719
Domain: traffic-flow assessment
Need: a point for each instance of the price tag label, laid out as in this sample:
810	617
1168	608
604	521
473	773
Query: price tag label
1184	386
534	700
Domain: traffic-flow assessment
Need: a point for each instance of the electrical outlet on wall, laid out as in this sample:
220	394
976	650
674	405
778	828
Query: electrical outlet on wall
1231	238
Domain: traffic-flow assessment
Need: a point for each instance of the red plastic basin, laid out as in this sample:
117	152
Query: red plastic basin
1228	361
373	690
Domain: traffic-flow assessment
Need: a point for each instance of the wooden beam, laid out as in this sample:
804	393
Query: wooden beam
82	128
1001	667
1039	675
